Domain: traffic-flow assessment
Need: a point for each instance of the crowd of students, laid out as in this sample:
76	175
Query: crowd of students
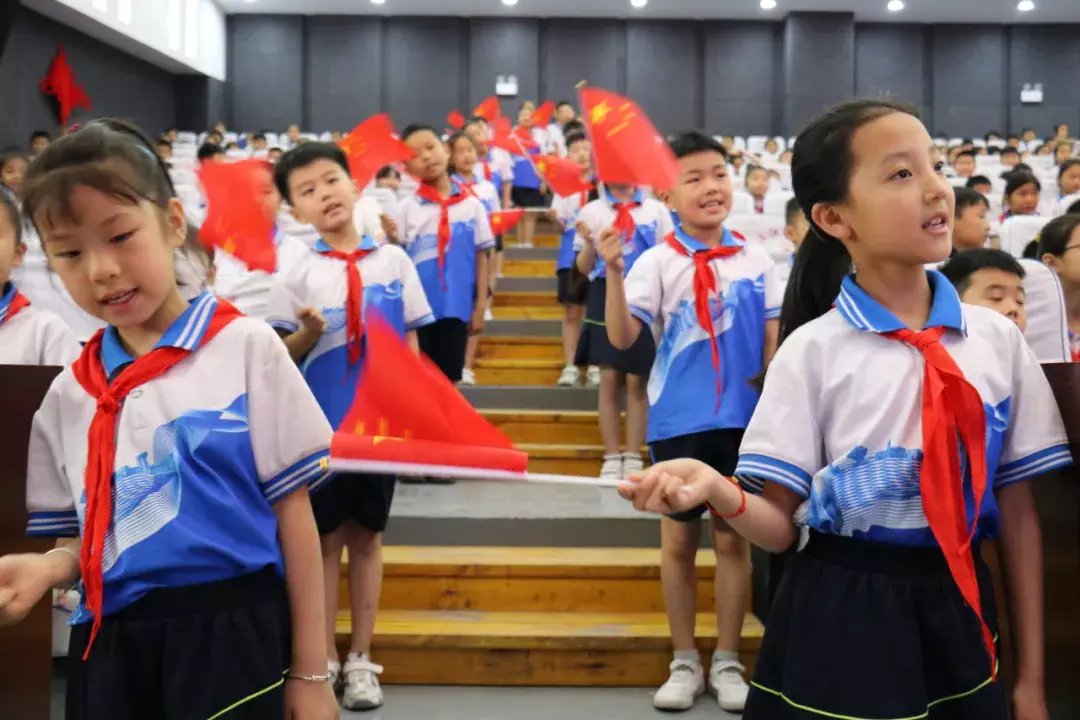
745	375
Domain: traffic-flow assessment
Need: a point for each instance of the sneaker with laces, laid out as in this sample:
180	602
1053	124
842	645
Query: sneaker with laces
727	684
685	683
362	691
468	377
592	376
569	377
631	463
333	671
611	470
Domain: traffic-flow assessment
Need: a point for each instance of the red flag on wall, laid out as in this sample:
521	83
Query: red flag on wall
564	176
627	147
488	109
505	220
236	221
455	120
60	82
371	145
542	116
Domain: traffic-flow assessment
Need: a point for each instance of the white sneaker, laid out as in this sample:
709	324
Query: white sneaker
488	315
726	682
362	691
686	682
468	377
570	376
631	463
611	470
333	671
592	376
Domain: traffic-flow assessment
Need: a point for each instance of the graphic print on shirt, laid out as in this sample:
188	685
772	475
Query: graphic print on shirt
449	292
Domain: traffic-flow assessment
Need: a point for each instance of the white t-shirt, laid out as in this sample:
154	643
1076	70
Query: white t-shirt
652	222
34	337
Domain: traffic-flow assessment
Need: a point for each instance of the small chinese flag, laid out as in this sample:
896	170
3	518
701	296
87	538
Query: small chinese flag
422	426
505	220
542	116
500	135
488	109
371	145
455	120
522	142
627	147
236	220
60	82
564	176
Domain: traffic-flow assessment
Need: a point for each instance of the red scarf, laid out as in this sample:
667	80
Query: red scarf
18	302
624	220
705	286
487	171
90	373
354	299
429	193
951	408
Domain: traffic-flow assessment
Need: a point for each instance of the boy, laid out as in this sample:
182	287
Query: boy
1010	156
991	278
258	142
164	149
320	308
711	345
39	140
972	225
757	184
964	164
795	229
210	152
446	232
274	154
980	184
292	136
495	166
1068	178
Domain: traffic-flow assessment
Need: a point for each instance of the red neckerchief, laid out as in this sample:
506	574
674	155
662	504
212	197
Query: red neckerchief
90	374
18	303
354	299
951	409
487	171
624	220
429	193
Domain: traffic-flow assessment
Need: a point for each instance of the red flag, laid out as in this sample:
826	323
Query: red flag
236	221
521	140
542	115
455	119
500	135
423	426
628	148
371	145
564	176
60	82
505	220
488	109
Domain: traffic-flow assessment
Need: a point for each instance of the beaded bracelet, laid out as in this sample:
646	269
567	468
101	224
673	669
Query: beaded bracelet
742	503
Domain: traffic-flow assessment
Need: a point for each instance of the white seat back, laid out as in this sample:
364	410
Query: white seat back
776	202
761	229
1016	232
756	144
741	203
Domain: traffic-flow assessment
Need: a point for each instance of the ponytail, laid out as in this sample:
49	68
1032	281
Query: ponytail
821	264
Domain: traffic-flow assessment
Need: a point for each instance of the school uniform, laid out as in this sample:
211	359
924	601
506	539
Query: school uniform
868	620
527	182
486	193
248	290
497	168
29	336
572	288
193	605
392	290
451	287
652	223
698	408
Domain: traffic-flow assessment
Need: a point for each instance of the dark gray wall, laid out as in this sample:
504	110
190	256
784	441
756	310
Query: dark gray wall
742	65
970	75
265	64
880	53
503	47
1049	54
117	83
664	72
342	64
576	50
819	64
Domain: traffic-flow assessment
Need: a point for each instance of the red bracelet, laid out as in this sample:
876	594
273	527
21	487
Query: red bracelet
742	504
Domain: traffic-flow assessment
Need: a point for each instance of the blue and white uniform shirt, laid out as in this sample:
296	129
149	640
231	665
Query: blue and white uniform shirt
451	290
33	336
524	173
391	289
566	209
484	191
840	420
499	165
652	222
682	383
202	455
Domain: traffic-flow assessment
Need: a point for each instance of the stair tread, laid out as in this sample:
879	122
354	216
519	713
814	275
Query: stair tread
545	416
518	363
562	450
487	340
503	561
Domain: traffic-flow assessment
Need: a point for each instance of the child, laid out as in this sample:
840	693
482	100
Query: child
785	158
274	154
323	304
210	152
39	140
850	439
1062	152
258	142
292	137
980	184
1069	178
28	336
463	152
964	165
1010	156
446	232
712	342
388	177
990	278
573	286
972	224
795	229
527	191
1056	239
1021	195
13	167
189	602
757	184
496	166
772	150
641	223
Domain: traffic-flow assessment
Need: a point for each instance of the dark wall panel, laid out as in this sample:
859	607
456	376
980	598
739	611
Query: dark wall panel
1047	54
663	72
889	63
424	69
819	64
117	83
266	70
575	50
970	71
342	70
503	47
740	70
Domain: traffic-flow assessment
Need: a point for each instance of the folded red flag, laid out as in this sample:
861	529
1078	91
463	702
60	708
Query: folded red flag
505	220
564	176
488	109
627	147
455	119
500	135
371	145
236	221
542	115
60	82
408	418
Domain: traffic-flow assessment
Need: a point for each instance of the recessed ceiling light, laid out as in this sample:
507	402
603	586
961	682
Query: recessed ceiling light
509	2
1025	5
895	5
376	2
639	3
768	4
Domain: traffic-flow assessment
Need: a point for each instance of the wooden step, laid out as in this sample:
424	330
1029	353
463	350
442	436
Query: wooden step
510	298
519	348
537	426
528	268
557	649
517	371
540	239
550	312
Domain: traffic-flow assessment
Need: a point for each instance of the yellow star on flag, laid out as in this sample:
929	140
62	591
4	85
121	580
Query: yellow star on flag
230	245
599	112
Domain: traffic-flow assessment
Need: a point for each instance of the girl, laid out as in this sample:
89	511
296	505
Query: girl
187	604
388	177
1068	178
527	191
1022	191
12	169
887	610
1056	241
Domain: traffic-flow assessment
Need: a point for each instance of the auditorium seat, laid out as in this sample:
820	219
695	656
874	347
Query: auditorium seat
1016	232
776	202
761	229
740	202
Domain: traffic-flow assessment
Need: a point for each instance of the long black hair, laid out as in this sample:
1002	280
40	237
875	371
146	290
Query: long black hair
821	173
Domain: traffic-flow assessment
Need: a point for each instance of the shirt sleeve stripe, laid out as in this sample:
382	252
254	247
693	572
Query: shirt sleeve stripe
304	472
772	313
641	314
1033	465
284	325
53	524
767	468
425	320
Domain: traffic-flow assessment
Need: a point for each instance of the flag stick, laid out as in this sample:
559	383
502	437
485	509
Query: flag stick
402	468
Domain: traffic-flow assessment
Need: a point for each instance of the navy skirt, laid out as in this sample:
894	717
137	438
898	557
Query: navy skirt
594	348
